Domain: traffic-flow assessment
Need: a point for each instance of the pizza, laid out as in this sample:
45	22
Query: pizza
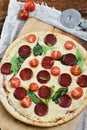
43	79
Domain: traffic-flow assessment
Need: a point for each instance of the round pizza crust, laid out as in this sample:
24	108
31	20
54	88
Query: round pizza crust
70	113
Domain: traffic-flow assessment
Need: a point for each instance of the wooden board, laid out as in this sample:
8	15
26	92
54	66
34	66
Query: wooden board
7	122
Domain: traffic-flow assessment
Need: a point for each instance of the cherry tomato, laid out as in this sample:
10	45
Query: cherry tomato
69	45
29	6
15	82
31	38
23	14
55	71
56	54
77	93
34	87
75	70
26	102
34	62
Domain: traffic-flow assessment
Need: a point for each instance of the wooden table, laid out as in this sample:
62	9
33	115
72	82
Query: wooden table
80	5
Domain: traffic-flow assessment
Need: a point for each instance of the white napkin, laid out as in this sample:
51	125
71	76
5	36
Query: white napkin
13	25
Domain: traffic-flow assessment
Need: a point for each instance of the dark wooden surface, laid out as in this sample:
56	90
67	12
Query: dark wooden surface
0	30
80	5
3	10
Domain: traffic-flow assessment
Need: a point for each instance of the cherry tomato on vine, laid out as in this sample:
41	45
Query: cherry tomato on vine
29	6
23	14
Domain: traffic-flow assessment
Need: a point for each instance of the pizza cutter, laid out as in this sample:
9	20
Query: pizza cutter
83	24
70	18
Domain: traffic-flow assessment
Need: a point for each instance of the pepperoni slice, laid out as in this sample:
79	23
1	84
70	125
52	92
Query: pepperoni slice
24	51
50	39
41	109
44	92
43	76
65	101
47	62
82	81
20	93
26	74
6	68
65	80
69	59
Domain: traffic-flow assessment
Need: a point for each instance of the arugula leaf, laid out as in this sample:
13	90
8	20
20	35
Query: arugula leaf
20	61
16	63
41	49
60	92
14	66
47	48
48	99
34	97
80	59
37	50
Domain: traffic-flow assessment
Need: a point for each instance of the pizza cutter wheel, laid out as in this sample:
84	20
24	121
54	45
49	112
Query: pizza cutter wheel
70	18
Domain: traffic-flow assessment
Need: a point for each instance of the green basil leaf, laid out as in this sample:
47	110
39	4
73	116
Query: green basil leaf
60	92
37	50
80	59
16	63
14	66
41	49
34	97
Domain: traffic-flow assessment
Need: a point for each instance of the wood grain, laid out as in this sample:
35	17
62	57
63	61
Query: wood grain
3	10
80	5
